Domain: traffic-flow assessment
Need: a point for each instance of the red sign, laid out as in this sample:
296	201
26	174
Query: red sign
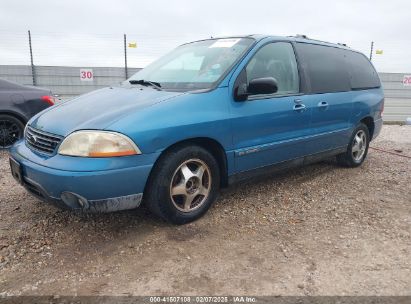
86	75
406	81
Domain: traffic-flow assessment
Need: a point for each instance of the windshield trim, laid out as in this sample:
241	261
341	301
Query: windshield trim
229	70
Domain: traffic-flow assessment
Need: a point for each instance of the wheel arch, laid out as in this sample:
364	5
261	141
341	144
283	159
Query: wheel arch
209	144
369	122
20	117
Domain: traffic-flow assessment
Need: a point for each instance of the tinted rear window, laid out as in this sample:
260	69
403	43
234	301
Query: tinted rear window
326	68
362	73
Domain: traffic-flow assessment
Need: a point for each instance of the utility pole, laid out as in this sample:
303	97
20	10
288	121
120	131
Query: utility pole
125	56
372	49
33	72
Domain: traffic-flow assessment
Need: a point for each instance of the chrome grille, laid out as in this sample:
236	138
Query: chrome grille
41	141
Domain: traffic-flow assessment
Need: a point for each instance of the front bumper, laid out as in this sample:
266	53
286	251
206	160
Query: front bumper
94	185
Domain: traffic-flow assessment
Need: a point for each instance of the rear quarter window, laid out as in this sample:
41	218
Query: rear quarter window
362	73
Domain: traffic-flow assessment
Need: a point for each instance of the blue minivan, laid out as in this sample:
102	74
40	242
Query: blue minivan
208	114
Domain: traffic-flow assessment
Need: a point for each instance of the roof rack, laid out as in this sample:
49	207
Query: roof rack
299	36
306	37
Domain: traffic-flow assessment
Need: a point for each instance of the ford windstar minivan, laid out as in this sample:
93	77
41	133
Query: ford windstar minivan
210	113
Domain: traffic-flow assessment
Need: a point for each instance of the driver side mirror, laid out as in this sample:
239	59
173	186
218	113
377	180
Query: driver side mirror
257	86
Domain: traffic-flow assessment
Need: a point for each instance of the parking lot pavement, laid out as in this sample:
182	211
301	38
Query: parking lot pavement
318	230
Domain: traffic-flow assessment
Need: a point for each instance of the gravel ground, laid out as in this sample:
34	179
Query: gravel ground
317	230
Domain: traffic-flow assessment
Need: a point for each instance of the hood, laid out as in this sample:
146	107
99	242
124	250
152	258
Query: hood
98	109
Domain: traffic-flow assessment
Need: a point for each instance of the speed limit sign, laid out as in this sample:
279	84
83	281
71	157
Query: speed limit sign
86	75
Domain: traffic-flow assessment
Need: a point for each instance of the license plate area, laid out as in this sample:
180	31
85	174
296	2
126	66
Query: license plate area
16	170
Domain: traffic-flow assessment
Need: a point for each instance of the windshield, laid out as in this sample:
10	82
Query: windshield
194	66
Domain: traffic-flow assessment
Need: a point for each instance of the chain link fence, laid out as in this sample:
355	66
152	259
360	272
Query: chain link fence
88	50
137	50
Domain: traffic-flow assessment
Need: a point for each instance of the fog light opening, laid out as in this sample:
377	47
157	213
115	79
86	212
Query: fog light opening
74	201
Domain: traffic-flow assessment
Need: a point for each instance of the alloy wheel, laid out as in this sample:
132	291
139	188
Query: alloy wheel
10	132
359	145
190	185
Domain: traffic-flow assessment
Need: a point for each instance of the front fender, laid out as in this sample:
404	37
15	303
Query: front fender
184	117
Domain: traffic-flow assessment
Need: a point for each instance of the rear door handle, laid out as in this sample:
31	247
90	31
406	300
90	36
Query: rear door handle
322	104
299	107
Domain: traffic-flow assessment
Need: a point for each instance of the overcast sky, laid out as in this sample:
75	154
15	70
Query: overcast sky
90	33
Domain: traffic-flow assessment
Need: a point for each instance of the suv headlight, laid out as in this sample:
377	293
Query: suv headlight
98	144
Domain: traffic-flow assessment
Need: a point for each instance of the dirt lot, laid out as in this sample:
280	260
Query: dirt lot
318	230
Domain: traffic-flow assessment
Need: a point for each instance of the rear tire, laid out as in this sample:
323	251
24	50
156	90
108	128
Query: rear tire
11	130
357	148
183	184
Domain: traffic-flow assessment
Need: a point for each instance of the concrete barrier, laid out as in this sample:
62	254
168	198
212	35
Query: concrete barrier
66	82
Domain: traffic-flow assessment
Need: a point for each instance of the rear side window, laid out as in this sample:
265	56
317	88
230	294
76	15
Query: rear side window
362	73
326	68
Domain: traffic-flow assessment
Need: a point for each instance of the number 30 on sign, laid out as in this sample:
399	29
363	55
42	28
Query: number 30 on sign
86	75
406	81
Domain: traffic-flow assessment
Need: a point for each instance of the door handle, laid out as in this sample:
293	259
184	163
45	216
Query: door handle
299	108
322	104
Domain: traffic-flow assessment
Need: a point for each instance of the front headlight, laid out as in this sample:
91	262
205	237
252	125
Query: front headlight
98	144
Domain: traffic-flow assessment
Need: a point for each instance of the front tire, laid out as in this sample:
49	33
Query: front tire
11	130
183	185
357	149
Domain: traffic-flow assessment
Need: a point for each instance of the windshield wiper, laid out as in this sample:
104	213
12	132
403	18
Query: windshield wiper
154	84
